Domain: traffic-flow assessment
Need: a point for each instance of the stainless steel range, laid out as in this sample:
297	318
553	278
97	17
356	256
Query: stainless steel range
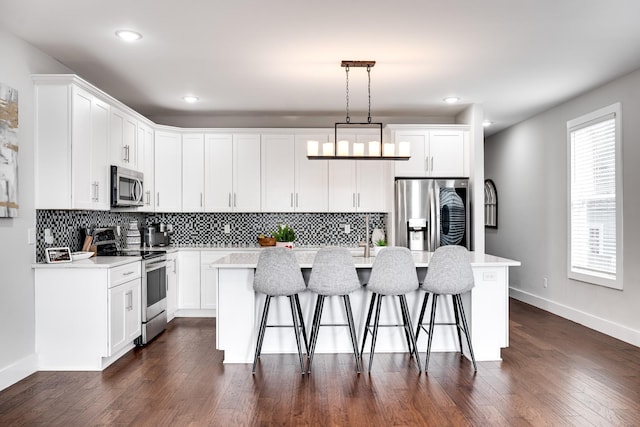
154	295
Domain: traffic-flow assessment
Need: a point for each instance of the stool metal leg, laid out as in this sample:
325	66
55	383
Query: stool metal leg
352	331
301	317
367	323
422	311
317	317
466	331
409	330
296	327
263	327
374	335
456	313
434	303
406	322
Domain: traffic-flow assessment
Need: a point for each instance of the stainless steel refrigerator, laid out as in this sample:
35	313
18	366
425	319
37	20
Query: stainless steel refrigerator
430	213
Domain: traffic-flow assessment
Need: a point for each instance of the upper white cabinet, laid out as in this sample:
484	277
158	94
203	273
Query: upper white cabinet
168	171
232	172
124	135
358	185
146	161
290	181
434	152
72	146
193	161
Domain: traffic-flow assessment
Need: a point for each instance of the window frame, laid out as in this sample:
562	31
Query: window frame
581	122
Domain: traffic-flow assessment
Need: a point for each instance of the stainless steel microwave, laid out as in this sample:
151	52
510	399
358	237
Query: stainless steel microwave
126	187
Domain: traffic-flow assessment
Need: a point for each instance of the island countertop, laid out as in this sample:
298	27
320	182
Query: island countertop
305	260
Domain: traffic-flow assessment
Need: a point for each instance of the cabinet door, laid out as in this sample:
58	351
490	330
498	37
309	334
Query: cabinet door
371	185
246	174
168	171
218	172
118	304
446	150
311	177
418	164
189	280
124	129
278	159
83	186
172	285
192	173
342	186
133	311
100	167
146	161
209	279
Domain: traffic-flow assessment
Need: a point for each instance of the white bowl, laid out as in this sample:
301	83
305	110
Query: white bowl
75	256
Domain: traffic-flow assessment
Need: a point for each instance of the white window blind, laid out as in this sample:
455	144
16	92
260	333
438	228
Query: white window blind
593	214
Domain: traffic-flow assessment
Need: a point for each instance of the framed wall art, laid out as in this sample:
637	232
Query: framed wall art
8	151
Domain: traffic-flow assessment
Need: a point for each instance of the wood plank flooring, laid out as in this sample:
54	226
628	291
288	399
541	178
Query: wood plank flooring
555	372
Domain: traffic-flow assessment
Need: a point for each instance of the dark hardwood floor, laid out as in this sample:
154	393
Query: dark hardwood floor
555	372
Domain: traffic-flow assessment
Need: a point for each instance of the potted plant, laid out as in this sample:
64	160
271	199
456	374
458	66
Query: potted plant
378	245
284	236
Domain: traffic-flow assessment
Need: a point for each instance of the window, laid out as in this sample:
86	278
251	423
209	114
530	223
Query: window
595	198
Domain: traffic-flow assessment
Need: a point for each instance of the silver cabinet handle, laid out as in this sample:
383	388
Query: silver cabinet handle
235	204
358	199
128	273
296	200
229	199
291	202
431	163
353	199
129	300
201	200
426	164
158	199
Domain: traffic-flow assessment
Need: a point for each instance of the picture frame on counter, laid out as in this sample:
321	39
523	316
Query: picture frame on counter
58	255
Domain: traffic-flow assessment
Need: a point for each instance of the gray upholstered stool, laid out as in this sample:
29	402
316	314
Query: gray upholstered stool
393	273
449	273
333	274
278	274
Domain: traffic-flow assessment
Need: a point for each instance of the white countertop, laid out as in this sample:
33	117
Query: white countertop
305	259
93	262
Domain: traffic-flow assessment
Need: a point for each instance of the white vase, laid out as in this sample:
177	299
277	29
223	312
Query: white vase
285	245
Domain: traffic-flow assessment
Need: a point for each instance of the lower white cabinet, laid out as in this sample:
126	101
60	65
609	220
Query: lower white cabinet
172	285
194	299
86	318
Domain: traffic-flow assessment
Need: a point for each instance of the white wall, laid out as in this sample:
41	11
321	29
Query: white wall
17	332
528	163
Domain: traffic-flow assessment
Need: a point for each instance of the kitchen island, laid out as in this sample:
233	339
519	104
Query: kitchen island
239	310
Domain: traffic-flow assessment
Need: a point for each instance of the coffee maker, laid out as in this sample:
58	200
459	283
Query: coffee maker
158	234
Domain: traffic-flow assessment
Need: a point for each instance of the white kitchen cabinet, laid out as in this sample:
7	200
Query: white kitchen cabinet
124	136
290	181
72	146
232	173
86	318
172	285
146	161
196	292
358	185
168	171
438	153
193	161
124	315
209	279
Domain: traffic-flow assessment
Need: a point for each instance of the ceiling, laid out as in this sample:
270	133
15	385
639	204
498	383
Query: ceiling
280	59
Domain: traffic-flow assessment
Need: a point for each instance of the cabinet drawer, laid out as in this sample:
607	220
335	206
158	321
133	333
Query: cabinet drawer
124	273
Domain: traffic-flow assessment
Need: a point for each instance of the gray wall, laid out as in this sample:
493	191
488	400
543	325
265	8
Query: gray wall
17	332
528	163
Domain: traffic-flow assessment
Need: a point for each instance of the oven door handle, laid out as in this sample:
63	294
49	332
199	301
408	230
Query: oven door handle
155	266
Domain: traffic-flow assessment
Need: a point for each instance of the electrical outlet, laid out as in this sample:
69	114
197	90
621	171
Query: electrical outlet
347	228
545	282
118	229
48	236
227	228
31	236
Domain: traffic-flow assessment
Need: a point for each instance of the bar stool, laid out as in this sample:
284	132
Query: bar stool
333	274
449	273
393	273
278	274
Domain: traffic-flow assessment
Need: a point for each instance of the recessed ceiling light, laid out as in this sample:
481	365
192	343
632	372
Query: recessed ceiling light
190	98
451	99
487	123
128	35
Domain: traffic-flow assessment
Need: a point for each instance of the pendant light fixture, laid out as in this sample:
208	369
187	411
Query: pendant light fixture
343	149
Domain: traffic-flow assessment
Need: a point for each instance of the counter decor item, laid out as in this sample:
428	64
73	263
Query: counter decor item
133	236
266	241
56	255
284	236
379	245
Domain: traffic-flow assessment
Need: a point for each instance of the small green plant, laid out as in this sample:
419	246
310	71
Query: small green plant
284	233
380	242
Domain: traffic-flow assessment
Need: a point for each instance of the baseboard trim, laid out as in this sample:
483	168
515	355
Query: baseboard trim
18	371
599	324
